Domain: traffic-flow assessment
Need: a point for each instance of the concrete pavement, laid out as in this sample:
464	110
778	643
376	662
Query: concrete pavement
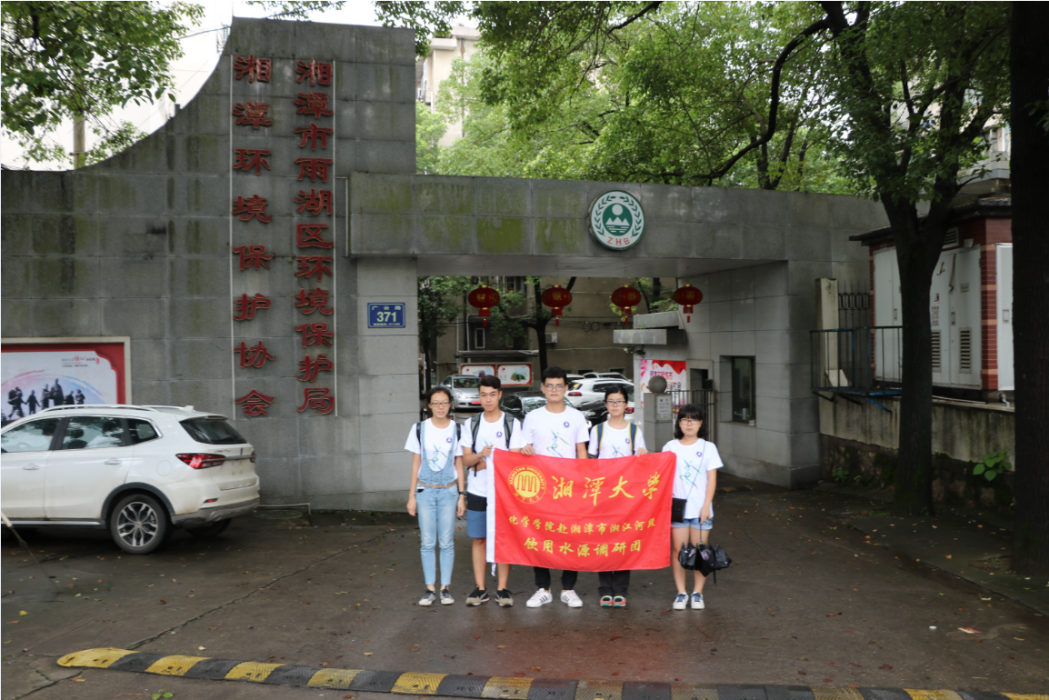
808	601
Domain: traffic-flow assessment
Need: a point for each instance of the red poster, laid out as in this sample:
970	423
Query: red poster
584	515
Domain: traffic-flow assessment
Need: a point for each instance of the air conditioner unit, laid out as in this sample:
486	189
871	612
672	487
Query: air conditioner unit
551	338
420	94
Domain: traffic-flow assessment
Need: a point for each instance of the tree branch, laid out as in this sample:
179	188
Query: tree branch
636	16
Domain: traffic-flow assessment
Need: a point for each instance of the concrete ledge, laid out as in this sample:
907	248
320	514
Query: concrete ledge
650	336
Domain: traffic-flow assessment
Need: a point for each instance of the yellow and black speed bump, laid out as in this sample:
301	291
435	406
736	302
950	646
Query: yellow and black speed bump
495	687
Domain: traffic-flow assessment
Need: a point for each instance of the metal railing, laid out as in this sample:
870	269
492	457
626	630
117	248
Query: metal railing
706	399
864	361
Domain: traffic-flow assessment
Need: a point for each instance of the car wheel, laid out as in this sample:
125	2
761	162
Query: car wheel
209	530
139	524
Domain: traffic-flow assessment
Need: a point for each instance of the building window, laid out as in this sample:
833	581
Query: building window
478	338
743	390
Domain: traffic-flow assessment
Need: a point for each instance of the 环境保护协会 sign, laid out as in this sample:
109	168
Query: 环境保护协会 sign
386	315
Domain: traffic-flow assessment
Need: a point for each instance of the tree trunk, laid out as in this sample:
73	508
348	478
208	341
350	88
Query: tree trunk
912	494
1030	174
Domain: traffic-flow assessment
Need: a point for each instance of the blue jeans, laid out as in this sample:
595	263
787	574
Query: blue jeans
436	509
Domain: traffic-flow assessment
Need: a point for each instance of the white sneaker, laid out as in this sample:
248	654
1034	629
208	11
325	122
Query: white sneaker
570	599
681	601
697	601
539	598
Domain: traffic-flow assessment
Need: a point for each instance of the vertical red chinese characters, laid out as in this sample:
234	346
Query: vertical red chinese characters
314	212
248	211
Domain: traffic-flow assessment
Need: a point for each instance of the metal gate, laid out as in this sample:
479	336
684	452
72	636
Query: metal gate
706	399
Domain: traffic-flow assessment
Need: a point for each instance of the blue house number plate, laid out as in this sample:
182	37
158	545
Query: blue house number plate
386	315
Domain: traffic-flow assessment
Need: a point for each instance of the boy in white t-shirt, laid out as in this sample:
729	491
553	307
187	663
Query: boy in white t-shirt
555	430
616	437
484	433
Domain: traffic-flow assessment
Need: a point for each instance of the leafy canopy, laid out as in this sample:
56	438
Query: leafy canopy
82	60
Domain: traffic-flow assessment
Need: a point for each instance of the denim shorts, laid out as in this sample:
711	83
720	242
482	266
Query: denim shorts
476	524
695	524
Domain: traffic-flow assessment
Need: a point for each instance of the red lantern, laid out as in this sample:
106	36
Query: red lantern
484	298
556	297
626	297
686	297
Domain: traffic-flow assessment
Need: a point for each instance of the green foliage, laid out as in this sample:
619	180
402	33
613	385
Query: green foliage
441	298
664	94
429	128
840	475
992	465
69	60
162	695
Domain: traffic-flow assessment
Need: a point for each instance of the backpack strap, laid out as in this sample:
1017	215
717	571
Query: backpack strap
508	425
600	437
475	427
633	436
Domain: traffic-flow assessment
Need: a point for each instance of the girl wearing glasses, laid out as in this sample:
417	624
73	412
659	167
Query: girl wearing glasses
694	482
438	491
616	437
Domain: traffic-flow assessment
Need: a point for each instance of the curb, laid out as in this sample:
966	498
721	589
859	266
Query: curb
488	686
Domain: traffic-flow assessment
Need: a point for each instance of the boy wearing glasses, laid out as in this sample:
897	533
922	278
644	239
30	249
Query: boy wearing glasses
486	432
555	430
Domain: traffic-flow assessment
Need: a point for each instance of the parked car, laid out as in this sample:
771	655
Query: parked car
605	375
138	471
587	390
465	391
522	403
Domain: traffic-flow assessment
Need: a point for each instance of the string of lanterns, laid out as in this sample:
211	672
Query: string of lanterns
557	298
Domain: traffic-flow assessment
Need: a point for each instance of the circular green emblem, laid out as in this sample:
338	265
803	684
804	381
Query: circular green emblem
617	220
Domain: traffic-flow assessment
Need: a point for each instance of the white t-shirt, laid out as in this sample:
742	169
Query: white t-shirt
555	434
690	476
439	443
493	434
616	443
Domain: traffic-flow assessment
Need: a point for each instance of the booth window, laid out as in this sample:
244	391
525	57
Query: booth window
743	403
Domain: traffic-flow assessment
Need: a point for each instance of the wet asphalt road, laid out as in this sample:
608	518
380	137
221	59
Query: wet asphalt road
806	602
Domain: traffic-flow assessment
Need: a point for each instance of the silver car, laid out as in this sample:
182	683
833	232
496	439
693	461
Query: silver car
465	392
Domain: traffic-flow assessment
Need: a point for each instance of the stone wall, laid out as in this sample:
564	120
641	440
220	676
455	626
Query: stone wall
860	446
140	246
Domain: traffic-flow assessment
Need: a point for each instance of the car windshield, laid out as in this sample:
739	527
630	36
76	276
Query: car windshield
212	431
465	382
533	402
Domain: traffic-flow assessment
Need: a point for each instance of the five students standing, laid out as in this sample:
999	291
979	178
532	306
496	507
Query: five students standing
443	451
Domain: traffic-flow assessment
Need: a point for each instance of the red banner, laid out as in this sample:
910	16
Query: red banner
583	514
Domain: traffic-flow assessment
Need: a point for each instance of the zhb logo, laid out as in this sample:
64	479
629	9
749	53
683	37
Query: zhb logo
617	220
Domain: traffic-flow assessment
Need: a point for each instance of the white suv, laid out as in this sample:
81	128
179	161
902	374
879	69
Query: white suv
138	471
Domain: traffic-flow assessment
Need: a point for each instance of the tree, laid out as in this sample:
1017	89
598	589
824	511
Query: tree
1029	65
673	93
440	298
81	60
429	128
905	90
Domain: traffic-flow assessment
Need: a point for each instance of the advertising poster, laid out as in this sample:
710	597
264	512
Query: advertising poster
35	376
674	371
477	370
515	375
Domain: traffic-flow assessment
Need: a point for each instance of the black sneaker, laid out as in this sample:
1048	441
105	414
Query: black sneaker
446	597
505	599
477	597
428	599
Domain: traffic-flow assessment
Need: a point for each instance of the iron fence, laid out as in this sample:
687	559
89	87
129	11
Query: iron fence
865	361
706	399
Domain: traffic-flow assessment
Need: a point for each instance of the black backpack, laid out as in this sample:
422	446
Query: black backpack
475	427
